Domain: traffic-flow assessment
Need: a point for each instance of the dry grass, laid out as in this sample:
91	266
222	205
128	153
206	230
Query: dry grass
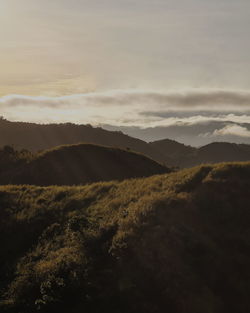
177	242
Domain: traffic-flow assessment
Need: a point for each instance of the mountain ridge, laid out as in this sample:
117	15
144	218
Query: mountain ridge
35	137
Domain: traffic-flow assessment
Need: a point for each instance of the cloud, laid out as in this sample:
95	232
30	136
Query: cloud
196	134
203	99
186	114
193	116
234	130
138	108
196	119
210	100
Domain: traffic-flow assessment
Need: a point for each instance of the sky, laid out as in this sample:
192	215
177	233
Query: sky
127	63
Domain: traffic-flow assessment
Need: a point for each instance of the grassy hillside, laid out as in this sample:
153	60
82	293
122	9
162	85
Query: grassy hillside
174	243
78	164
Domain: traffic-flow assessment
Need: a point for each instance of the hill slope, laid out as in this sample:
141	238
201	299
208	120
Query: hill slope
36	137
187	156
171	147
80	164
214	153
176	153
143	245
223	152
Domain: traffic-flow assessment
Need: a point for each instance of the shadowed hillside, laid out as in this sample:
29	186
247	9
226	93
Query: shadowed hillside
174	243
223	151
217	152
186	156
77	164
36	137
177	153
172	148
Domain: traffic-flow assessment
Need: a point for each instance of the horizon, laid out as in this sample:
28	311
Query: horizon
146	135
113	64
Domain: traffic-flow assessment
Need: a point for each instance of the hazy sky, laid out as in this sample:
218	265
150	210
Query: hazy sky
54	48
62	47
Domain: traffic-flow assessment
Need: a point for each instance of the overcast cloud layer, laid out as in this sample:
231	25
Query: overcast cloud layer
196	110
200	99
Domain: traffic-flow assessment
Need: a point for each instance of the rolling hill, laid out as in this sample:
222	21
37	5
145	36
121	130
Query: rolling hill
75	164
172	148
187	156
148	245
223	152
176	153
35	137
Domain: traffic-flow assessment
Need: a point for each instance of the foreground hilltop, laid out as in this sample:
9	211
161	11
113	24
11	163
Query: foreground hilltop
176	243
73	165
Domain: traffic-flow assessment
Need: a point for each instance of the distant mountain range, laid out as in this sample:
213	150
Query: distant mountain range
36	137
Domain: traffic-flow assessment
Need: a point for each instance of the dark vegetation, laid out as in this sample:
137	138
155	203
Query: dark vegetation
177	242
36	137
74	165
11	159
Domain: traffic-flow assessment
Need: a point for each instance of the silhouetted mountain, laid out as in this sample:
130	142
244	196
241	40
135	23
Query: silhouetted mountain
78	164
189	134
36	137
186	156
169	152
175	243
173	150
224	151
217	152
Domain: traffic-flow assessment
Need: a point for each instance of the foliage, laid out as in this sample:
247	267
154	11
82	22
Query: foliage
176	242
74	165
12	159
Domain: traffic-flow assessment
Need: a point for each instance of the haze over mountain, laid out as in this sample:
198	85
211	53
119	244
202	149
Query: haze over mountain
197	133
